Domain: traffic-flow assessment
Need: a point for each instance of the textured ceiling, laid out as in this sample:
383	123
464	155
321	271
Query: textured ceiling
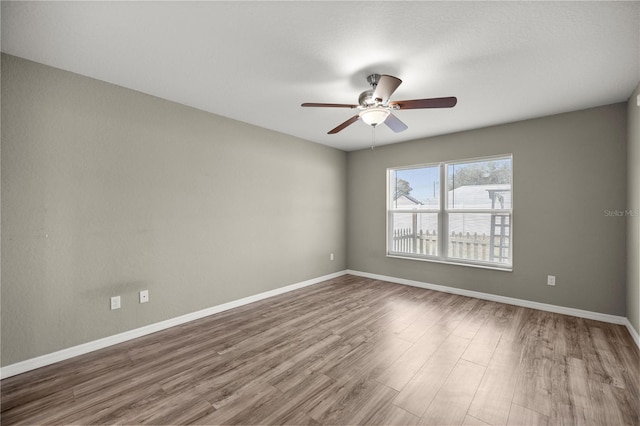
258	61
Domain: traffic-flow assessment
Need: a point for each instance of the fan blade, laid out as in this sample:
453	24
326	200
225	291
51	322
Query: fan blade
311	104
395	124
343	125
385	88
427	103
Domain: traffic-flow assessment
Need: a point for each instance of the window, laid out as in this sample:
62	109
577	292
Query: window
459	211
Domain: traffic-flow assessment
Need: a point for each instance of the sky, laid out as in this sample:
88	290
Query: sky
425	180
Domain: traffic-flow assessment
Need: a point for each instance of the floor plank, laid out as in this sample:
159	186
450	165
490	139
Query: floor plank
404	368
416	396
523	416
350	350
486	339
451	403
492	401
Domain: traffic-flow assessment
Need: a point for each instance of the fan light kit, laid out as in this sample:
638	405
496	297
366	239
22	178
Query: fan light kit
374	116
376	108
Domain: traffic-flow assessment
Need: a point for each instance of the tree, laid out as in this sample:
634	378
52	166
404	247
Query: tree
402	188
486	173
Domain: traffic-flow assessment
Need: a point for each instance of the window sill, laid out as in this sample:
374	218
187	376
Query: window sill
506	268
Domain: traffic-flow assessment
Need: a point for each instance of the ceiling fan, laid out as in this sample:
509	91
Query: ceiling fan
375	107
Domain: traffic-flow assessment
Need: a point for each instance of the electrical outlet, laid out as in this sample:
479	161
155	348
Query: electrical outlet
551	280
144	296
115	302
331	256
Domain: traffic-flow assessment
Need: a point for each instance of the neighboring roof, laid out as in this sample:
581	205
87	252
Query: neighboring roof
472	197
400	200
479	196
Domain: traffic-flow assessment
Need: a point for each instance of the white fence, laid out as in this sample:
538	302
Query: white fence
461	245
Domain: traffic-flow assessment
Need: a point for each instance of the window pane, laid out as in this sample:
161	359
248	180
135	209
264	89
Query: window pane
479	184
414	233
416	188
480	236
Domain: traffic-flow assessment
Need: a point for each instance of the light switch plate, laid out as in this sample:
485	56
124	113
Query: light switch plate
115	302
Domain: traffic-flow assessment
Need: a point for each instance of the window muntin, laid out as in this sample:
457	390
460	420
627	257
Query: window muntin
471	226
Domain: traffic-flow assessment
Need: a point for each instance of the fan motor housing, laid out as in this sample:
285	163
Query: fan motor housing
366	98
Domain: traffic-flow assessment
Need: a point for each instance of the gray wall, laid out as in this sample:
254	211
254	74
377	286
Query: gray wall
568	169
633	220
107	191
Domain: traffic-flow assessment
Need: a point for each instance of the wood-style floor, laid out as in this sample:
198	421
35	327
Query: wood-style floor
348	351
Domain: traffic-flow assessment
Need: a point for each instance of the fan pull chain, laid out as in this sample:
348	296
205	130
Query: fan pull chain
373	137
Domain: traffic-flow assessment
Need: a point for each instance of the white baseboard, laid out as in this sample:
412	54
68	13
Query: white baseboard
44	360
614	319
633	332
41	361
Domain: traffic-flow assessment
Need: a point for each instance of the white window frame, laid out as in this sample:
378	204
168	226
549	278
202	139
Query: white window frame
443	213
